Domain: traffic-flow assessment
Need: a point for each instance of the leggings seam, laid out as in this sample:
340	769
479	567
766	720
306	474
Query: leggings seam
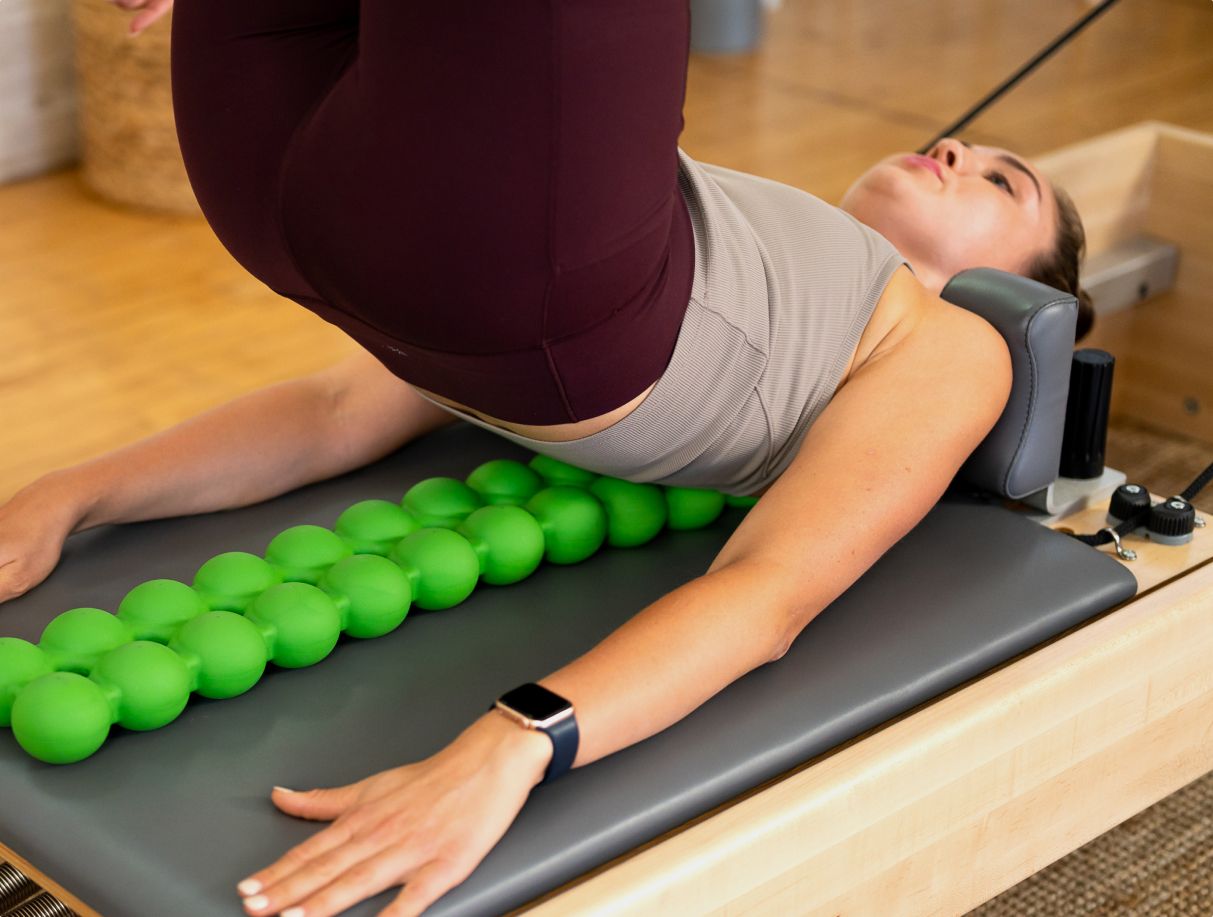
287	153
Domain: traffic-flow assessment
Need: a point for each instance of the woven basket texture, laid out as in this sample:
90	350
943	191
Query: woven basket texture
129	149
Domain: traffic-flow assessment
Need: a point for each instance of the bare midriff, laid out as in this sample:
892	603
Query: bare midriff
900	296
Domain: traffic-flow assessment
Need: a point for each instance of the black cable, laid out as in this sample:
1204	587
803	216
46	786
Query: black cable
1018	75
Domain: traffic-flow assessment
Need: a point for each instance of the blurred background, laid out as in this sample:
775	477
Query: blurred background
121	314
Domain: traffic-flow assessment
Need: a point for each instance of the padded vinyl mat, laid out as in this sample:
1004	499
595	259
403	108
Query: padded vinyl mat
166	822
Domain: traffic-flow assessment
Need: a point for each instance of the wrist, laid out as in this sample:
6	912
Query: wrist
59	496
513	747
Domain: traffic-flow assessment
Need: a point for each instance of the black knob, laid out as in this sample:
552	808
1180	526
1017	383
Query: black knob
1128	500
1172	521
1085	433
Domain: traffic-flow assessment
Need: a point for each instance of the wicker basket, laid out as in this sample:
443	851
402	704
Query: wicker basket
130	153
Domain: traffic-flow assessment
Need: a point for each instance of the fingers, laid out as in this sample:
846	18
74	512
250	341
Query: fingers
319	804
151	11
425	886
296	859
322	804
337	882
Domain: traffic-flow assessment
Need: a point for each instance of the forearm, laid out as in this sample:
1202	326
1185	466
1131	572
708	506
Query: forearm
672	657
255	447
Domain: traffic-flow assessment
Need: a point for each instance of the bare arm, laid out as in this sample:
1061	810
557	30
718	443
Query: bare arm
889	442
892	437
250	449
262	444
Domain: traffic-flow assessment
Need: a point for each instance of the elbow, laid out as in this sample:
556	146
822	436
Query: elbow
770	594
782	647
781	593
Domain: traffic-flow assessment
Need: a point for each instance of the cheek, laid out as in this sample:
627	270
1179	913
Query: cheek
980	232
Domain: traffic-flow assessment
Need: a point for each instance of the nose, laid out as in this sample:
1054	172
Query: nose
950	152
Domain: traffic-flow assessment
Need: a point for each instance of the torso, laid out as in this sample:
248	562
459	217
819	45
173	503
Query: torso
901	297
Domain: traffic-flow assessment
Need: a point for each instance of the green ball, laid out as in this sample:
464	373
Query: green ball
636	513
440	502
61	718
151	681
442	567
301	622
303	552
374	526
508	541
556	472
229	581
745	502
573	522
372	592
224	651
504	481
692	507
76	639
155	609
20	663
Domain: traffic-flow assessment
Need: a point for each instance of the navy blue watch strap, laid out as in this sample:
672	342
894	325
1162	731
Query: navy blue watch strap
565	737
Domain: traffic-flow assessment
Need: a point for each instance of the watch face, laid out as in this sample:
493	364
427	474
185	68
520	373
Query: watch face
535	701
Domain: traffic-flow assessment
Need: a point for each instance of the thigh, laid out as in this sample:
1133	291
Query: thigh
245	73
490	175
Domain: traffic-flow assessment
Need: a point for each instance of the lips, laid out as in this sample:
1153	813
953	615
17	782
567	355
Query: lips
925	162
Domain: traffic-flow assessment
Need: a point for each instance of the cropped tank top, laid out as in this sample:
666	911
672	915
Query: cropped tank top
784	285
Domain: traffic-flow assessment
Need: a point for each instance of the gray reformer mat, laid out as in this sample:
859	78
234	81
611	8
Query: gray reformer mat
166	822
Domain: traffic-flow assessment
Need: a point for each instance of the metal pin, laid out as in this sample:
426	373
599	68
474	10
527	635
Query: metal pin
1122	552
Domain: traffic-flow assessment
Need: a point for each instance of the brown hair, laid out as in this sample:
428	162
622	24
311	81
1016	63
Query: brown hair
1058	267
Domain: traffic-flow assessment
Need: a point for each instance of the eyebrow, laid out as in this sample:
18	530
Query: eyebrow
1015	163
1012	161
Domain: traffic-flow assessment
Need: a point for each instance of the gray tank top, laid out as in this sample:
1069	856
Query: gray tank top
784	286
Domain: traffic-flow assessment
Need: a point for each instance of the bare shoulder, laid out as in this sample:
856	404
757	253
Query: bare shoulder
909	312
899	308
923	346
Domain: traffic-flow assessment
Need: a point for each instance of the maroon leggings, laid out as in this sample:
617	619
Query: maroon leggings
482	194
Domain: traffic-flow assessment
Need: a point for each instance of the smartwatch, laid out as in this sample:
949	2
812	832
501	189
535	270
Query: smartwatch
535	707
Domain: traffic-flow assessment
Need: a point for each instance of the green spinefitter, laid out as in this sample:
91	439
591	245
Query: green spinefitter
137	668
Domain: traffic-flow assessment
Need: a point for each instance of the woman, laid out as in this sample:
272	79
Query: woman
491	200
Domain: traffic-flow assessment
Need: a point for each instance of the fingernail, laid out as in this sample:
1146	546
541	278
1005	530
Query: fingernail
256	903
292	912
284	789
249	887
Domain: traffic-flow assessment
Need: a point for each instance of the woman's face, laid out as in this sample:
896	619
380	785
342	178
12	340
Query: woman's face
958	207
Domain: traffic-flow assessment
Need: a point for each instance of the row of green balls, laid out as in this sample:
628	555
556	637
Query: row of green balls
137	668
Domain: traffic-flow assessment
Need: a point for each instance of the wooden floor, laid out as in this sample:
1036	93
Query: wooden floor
115	324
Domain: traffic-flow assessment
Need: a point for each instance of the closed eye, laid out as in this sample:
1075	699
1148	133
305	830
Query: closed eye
997	177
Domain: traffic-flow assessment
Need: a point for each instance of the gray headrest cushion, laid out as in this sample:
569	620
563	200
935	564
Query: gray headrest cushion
1022	453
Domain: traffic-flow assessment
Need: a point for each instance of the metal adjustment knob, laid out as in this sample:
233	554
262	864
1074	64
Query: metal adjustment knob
1172	521
1126	500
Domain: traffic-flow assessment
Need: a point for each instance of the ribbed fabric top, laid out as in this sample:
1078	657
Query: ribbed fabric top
784	285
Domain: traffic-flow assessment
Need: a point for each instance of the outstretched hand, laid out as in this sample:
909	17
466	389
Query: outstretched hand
34	524
426	825
149	12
